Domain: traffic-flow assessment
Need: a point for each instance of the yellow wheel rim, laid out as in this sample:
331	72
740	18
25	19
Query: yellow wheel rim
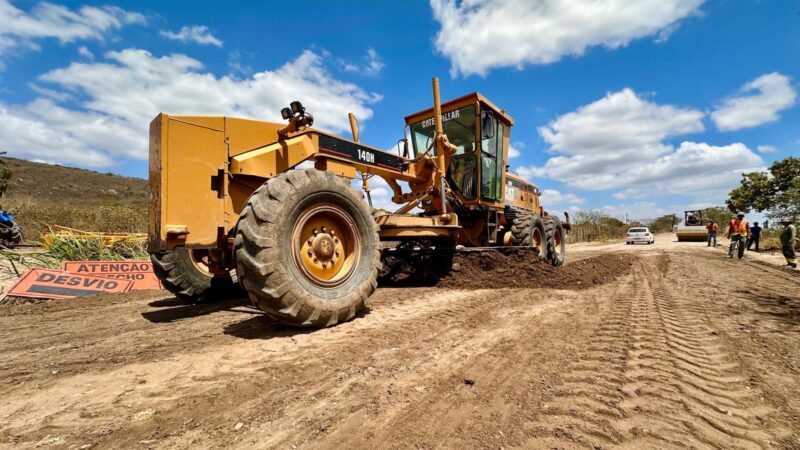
325	245
202	261
537	239
557	242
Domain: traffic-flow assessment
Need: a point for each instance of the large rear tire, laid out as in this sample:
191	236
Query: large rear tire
307	249
186	274
527	230
556	242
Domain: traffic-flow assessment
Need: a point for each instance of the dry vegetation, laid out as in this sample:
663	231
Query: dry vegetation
43	194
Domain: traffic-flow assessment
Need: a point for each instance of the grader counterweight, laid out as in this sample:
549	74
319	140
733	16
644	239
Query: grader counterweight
228	206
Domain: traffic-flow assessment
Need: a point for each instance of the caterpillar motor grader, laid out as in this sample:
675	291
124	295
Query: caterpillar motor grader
229	208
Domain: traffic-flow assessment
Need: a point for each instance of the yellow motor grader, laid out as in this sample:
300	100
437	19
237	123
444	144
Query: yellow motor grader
229	208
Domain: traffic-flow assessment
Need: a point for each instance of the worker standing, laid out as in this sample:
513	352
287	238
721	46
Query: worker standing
737	231
712	228
788	239
755	236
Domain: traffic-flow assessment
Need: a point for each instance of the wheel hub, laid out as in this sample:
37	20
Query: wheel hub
323	247
327	246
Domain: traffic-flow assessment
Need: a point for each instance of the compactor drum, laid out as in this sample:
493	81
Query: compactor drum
693	228
230	209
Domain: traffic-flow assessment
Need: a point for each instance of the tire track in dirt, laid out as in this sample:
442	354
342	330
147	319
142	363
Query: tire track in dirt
585	407
492	397
699	396
329	366
655	376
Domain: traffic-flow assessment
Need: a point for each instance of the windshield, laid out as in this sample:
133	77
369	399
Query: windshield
637	230
459	126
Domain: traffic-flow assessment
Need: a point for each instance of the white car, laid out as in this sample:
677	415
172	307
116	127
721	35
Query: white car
640	235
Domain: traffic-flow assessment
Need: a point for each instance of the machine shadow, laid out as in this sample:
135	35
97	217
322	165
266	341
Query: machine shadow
175	309
262	327
776	307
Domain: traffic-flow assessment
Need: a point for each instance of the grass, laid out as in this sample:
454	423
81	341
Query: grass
40	195
770	239
35	217
71	248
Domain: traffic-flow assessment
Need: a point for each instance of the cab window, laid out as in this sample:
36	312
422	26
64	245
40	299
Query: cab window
491	155
458	125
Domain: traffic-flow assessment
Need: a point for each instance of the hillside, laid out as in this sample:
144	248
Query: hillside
43	194
69	185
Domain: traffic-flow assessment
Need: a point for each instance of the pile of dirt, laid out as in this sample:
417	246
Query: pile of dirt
521	268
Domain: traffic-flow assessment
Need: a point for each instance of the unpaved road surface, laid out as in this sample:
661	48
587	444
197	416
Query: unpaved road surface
686	348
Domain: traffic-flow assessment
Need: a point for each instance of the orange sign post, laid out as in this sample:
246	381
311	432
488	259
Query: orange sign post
46	283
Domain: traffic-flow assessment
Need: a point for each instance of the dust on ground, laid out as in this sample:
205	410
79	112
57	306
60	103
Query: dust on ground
685	348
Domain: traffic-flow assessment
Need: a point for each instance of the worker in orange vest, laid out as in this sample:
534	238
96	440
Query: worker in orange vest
737	231
712	232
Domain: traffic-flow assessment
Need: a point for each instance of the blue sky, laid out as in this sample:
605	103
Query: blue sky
640	109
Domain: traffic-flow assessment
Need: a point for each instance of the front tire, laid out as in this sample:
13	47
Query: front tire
187	274
307	249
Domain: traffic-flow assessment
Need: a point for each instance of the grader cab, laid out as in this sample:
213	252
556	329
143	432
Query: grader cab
229	208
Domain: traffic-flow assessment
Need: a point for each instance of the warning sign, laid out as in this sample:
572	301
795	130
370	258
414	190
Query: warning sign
46	283
107	267
139	272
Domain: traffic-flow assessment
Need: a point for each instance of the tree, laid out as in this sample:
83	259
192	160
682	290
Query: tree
663	224
719	214
590	217
776	191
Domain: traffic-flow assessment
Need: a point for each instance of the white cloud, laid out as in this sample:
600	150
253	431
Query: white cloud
617	143
86	53
758	102
515	149
379	191
45	20
635	211
694	169
371	66
123	95
198	34
478	36
553	197
23	135
374	63
767	149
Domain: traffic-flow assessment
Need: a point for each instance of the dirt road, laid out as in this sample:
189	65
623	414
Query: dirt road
684	349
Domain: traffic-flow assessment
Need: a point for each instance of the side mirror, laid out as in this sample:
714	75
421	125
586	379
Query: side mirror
488	126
